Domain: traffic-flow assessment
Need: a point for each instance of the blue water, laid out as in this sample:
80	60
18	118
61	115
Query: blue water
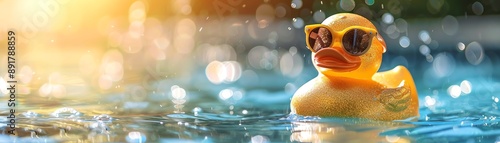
259	116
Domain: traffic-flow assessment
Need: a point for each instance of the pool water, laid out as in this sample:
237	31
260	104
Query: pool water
134	72
259	116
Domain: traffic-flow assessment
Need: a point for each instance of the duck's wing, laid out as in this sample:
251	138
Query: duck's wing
400	92
396	77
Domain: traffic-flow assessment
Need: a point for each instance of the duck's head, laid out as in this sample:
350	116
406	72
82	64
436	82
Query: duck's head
345	45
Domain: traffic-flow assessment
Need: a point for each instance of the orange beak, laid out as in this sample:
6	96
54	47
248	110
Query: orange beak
334	59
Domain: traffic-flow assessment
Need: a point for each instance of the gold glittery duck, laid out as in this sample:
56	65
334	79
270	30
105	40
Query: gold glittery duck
347	52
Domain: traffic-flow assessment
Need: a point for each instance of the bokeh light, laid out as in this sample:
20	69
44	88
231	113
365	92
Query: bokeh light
136	137
450	25
477	8
454	91
443	64
424	37
347	5
370	2
466	87
26	74
137	12
404	41
424	50
264	15
298	22
387	18
392	139
392	32
474	53
231	96
429	101
291	64
280	11
435	6
4	86
223	72
296	4
461	46
261	57
260	139
319	16
401	24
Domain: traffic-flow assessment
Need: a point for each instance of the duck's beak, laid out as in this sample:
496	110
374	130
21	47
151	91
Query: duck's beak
336	60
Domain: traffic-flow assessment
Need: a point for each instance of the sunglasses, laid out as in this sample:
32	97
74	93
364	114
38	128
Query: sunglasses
356	40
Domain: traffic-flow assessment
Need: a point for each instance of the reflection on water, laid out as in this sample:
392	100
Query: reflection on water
224	71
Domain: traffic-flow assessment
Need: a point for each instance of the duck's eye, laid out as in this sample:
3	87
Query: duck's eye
320	38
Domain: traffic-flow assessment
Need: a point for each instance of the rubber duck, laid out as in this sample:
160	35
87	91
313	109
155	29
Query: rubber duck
347	52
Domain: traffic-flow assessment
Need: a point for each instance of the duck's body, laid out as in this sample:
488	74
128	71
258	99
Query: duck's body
348	84
348	97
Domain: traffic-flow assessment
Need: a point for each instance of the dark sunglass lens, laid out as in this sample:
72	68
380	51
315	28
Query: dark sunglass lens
320	38
356	42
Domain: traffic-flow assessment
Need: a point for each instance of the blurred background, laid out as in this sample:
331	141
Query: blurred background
235	57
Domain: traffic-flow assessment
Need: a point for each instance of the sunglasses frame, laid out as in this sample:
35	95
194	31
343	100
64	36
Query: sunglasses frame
335	35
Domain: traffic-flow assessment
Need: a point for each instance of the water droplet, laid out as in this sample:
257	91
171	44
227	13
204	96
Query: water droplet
66	112
30	114
103	118
474	53
347	5
454	91
197	110
450	25
387	18
404	41
477	8
466	87
99	126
